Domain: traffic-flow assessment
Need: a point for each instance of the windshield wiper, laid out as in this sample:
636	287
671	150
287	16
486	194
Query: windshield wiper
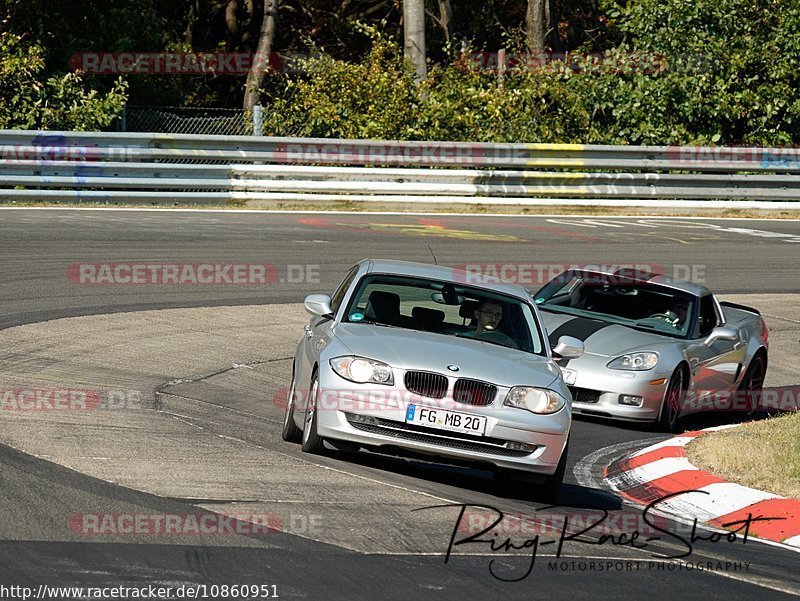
376	323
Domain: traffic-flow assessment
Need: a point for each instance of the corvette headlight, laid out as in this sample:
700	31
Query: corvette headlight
535	400
635	361
362	370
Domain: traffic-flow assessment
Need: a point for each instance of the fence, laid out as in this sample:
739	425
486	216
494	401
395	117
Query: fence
188	120
147	167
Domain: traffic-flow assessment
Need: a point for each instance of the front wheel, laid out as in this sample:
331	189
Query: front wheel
312	442
673	401
290	432
514	482
548	491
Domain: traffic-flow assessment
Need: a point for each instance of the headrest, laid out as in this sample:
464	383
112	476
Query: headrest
427	316
468	308
383	305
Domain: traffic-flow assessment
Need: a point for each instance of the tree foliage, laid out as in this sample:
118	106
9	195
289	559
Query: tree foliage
30	101
673	72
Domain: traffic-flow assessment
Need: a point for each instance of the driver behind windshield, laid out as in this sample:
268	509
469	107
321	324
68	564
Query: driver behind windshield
677	314
488	315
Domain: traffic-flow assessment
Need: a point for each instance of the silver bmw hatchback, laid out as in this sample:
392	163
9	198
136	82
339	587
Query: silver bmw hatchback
409	358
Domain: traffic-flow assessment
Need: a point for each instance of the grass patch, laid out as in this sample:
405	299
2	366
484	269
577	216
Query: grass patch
763	454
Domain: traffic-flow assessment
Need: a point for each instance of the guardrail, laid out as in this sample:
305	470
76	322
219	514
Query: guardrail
128	167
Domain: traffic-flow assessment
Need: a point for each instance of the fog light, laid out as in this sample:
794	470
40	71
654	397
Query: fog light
520	446
630	400
361	419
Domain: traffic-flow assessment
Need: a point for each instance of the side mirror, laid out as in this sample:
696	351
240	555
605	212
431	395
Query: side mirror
318	304
568	348
722	333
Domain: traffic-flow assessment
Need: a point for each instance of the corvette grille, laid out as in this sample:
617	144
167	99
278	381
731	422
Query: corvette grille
584	395
474	392
426	384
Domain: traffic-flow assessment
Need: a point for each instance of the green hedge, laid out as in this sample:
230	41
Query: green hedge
30	101
682	72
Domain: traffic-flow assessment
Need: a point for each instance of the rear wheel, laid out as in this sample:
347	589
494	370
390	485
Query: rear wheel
311	441
752	384
673	401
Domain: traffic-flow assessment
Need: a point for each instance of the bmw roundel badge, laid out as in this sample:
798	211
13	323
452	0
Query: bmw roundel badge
453	367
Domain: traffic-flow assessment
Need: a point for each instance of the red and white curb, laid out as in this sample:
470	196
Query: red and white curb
662	469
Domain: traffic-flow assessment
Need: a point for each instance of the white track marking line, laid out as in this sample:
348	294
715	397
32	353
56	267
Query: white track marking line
721	499
652	471
677	441
602	223
587	475
569	222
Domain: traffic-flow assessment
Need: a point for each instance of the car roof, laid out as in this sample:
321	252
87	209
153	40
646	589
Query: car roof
448	274
643	277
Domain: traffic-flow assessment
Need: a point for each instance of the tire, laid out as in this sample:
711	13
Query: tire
673	401
310	440
752	384
548	491
512	482
290	432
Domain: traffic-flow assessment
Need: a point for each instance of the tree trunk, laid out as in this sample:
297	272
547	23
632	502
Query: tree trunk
536	28
255	77
446	19
232	17
414	34
552	24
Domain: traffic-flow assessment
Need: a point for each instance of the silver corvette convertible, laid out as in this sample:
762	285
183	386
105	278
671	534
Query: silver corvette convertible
656	348
405	357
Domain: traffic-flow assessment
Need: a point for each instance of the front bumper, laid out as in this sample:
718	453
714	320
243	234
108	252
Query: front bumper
548	433
598	392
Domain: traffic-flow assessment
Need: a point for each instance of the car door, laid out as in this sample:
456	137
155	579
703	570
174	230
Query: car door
715	367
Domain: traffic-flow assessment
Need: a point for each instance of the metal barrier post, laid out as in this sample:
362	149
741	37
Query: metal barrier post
258	120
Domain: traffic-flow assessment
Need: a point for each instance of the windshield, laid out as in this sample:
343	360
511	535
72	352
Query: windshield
447	309
637	304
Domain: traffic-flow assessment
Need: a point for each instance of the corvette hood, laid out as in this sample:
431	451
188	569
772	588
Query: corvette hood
408	349
600	337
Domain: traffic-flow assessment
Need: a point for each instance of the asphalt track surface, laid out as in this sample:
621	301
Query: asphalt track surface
310	253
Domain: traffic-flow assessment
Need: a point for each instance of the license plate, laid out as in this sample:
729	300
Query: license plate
442	419
569	375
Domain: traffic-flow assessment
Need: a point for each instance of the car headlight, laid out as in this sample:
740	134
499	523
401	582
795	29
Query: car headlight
535	400
362	370
635	361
